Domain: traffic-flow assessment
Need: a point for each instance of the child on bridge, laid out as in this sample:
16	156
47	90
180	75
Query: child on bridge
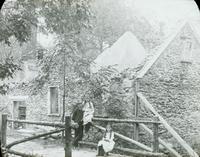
106	144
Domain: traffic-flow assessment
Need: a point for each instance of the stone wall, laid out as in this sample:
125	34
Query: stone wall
37	104
173	86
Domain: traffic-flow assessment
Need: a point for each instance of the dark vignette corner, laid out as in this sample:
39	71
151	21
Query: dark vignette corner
197	4
1	3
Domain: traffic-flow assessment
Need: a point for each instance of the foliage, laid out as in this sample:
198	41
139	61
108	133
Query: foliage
70	20
67	17
17	19
7	70
80	39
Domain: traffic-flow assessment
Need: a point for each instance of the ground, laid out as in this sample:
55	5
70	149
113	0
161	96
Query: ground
49	149
45	147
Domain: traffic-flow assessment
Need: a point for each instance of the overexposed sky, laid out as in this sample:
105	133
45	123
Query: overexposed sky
170	12
172	9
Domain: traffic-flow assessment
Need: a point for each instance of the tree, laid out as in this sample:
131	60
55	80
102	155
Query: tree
17	19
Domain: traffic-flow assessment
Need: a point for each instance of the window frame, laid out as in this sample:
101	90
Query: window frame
49	101
186	56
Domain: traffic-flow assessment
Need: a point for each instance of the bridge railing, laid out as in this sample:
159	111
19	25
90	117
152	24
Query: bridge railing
155	123
178	138
66	127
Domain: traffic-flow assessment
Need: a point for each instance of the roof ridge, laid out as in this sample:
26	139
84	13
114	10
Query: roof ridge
126	52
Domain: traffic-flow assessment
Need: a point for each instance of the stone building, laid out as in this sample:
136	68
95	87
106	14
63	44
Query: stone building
47	103
170	82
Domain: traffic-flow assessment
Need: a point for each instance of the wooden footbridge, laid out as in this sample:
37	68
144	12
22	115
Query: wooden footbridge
143	149
67	127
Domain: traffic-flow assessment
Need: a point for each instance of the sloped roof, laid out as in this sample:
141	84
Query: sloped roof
163	46
126	52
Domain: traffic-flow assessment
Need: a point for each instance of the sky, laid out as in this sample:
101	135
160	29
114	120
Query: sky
173	9
169	12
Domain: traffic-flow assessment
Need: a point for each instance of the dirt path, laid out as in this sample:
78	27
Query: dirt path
48	149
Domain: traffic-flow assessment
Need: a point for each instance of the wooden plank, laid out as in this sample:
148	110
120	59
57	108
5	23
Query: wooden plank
0	123
127	139
68	137
125	150
141	153
32	138
170	149
145	121
190	151
20	153
155	137
43	123
136	125
136	132
136	98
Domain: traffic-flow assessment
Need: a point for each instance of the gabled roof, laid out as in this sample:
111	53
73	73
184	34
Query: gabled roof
163	46
126	52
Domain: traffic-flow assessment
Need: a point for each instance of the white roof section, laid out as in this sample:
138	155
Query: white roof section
126	52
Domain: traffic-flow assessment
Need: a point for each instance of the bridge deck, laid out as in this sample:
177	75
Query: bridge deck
51	149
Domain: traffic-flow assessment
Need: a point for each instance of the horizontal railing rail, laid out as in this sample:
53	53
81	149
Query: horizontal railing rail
43	123
136	120
33	137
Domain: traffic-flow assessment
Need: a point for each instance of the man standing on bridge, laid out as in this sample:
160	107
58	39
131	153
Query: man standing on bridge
82	115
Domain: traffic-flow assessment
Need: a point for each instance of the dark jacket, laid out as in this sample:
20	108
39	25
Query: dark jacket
77	115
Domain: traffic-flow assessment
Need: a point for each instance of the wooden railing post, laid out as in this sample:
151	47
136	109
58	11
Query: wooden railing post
68	137
3	129
136	125
155	136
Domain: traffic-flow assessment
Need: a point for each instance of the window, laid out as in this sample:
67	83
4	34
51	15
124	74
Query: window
22	113
17	104
53	100
19	112
21	116
187	51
